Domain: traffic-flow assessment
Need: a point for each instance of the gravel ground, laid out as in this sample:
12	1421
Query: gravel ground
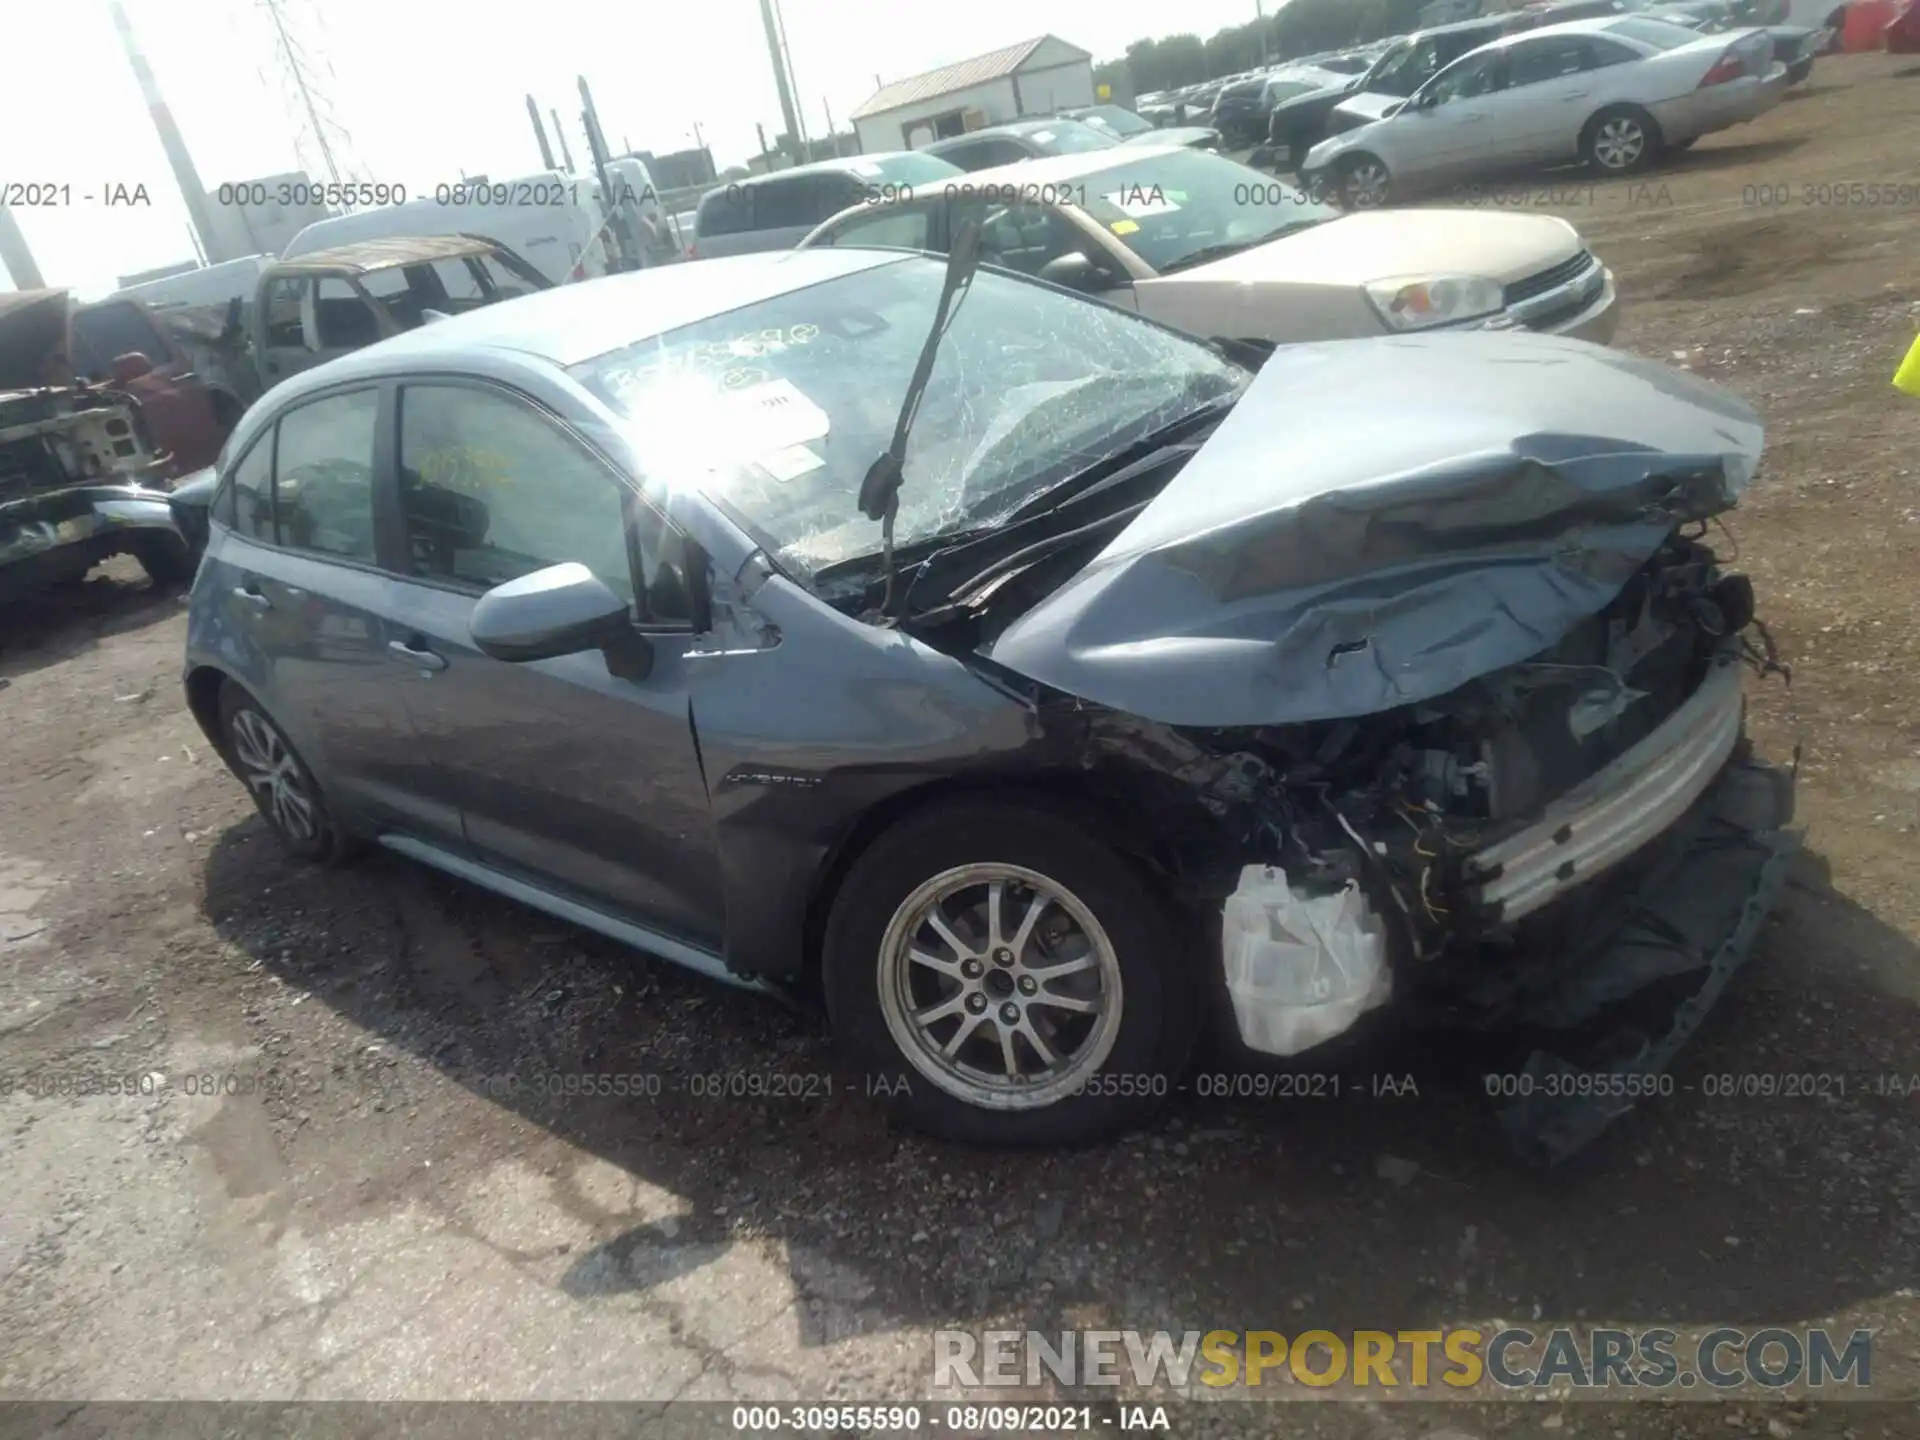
372	1211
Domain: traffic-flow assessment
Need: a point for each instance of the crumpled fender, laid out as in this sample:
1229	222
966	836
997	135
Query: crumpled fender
1379	521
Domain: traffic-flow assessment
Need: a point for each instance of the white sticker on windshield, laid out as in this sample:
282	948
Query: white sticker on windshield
772	416
1138	200
1042	137
790	463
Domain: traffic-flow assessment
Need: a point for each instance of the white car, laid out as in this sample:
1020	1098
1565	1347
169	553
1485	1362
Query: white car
1616	92
1217	249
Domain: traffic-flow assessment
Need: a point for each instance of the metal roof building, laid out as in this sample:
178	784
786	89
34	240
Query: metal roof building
1035	77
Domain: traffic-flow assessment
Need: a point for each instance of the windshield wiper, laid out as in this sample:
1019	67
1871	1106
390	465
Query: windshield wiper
880	490
1220	249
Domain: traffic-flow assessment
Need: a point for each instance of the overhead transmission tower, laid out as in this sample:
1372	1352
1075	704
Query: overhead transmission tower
305	75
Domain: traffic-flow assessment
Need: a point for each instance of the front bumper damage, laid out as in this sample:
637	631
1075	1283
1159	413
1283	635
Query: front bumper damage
1688	924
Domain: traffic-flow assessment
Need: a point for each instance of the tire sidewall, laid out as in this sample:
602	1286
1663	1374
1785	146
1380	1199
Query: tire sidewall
1649	150
326	843
1349	168
1158	1012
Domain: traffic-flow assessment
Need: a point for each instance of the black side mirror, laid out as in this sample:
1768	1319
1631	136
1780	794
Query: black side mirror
1077	271
561	610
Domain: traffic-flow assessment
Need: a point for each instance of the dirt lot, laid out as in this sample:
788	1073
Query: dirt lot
375	1213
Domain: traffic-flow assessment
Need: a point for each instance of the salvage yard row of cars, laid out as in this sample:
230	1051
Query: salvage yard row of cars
998	612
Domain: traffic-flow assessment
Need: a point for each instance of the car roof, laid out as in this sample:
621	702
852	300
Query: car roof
367	256
1594	25
1461	27
1049	169
1014	127
844	165
572	323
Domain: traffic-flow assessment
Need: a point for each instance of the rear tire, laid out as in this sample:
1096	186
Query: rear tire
282	787
976	927
1620	141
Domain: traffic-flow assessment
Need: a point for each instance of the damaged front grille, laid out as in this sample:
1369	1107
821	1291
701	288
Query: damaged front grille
1521	291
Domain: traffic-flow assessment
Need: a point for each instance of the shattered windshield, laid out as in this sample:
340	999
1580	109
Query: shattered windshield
777	409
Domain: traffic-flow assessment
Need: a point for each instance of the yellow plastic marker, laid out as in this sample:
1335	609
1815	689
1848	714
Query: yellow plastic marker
1907	378
1129	227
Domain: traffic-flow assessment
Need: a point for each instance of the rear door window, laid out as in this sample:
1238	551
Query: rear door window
1533	62
786	204
727	211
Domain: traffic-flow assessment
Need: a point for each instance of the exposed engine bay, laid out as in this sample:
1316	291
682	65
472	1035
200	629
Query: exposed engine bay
1398	810
1397	801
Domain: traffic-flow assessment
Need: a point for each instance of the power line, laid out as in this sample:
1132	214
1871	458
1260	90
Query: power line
322	133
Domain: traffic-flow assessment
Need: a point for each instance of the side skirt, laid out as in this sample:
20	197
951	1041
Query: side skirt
701	962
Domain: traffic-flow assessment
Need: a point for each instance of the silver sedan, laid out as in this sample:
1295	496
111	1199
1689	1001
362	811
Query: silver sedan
1615	92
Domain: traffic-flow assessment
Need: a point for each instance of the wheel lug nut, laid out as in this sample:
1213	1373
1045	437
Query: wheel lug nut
976	1003
972	969
1003	956
1010	1013
1028	985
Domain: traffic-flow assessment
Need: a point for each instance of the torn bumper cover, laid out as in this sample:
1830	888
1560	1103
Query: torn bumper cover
1688	923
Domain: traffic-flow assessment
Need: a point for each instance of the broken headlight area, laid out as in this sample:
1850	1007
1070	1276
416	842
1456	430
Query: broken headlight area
1577	849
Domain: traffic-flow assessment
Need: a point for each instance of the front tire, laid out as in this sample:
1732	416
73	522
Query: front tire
277	779
1364	182
1006	978
1620	141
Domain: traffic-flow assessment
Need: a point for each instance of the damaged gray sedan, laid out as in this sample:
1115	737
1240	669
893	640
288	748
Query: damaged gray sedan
1024	678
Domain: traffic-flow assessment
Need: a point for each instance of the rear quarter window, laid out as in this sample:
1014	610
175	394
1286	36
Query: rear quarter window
726	211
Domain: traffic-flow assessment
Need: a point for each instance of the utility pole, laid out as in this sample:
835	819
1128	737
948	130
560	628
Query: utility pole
171	141
560	134
625	242
297	72
826	108
540	134
780	79
15	255
793	81
1260	20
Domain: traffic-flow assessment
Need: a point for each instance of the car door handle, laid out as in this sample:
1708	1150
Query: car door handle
411	654
250	597
1577	94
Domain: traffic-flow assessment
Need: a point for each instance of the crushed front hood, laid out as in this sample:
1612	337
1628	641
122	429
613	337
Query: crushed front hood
1379	521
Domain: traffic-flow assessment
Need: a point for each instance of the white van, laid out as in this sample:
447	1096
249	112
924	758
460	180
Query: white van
211	286
633	189
550	219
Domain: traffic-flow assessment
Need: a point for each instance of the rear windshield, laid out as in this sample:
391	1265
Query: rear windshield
1657	33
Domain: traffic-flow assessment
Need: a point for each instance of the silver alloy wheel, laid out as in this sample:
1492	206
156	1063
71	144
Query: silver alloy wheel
1366	185
1620	143
271	772
1000	986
